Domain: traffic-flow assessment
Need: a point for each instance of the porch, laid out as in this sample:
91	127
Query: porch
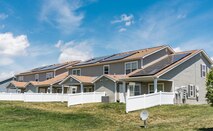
140	93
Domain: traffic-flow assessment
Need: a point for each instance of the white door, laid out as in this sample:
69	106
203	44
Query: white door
121	93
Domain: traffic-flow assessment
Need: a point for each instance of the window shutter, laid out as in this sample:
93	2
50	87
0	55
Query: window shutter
201	70
194	90
188	91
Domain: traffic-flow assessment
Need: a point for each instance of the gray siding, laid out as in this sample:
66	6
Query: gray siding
106	85
3	86
31	77
190	73
60	71
31	89
155	56
115	68
167	86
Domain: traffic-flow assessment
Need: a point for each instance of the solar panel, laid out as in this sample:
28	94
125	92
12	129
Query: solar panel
155	68
118	56
94	60
49	67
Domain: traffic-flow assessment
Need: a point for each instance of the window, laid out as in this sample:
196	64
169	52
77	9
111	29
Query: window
142	63
191	91
74	89
76	72
21	78
131	66
36	77
49	75
88	89
152	90
106	69
203	70
135	90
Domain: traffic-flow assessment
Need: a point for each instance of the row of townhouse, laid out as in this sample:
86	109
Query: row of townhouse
143	71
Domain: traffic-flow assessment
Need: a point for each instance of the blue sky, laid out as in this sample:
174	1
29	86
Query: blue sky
35	33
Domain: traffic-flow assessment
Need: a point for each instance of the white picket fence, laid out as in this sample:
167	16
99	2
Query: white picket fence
73	99
149	100
11	96
45	97
81	98
34	97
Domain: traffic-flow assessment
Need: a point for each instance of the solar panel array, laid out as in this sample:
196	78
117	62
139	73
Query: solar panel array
155	68
93	60
118	56
49	67
107	58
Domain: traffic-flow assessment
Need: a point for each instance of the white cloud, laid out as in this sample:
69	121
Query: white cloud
74	51
11	45
3	16
124	18
5	61
161	25
5	75
122	30
62	14
178	49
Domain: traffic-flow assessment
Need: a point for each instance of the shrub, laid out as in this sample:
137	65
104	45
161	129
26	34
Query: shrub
209	84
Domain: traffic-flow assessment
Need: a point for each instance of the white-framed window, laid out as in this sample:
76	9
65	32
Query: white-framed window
21	78
74	89
203	70
191	91
106	69
141	62
88	89
36	77
131	66
76	72
135	89
49	75
151	89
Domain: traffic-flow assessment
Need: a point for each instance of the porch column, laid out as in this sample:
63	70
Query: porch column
155	85
128	92
62	89
82	88
115	92
51	88
124	90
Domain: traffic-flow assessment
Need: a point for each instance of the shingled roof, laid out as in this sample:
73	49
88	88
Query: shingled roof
124	56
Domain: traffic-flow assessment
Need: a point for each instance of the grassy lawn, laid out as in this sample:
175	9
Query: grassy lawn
57	116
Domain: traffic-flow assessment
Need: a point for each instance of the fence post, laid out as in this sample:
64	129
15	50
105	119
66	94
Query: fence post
160	98
144	101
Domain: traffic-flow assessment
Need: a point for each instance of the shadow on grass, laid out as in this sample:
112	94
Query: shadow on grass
206	129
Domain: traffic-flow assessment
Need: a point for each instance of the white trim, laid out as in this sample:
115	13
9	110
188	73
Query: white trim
75	70
37	77
108	69
136	84
128	63
153	85
178	64
203	70
193	91
70	76
142	66
159	50
48	74
22	78
98	78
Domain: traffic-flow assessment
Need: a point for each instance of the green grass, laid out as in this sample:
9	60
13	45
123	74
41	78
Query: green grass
20	116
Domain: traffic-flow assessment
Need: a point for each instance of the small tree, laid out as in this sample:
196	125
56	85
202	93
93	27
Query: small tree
209	84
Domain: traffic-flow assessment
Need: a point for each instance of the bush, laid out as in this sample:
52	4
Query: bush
209	84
